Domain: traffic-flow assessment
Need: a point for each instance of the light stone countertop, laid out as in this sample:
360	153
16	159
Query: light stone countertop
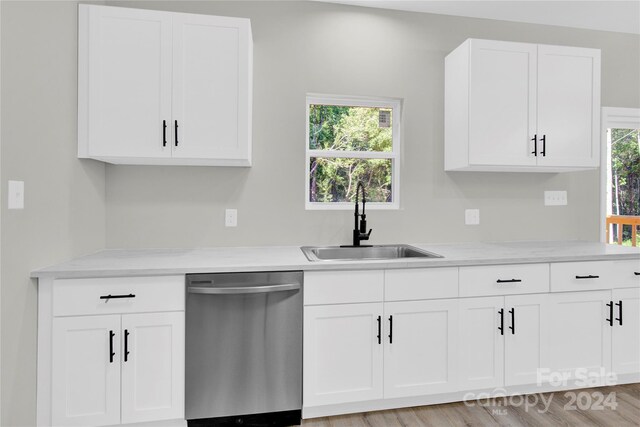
157	262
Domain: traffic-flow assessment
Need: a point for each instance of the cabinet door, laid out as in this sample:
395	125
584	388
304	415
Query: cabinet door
579	333
86	371
569	105
421	356
626	331
526	318
211	81
129	82
153	368
481	349
342	354
502	99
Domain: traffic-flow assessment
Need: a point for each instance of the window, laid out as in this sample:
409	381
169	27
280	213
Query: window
620	182
351	139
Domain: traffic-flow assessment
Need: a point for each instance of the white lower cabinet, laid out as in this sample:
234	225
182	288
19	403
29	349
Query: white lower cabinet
420	347
152	367
86	375
342	353
625	353
579	333
481	352
110	350
526	348
502	340
118	369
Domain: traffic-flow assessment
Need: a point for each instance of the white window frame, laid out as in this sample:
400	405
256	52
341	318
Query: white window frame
612	117
357	101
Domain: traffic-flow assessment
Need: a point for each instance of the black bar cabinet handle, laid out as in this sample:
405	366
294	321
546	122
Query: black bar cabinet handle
176	128
535	145
379	329
619	319
164	133
390	329
610	319
501	327
126	345
588	277
637	273
111	353
513	321
509	281
108	297
544	145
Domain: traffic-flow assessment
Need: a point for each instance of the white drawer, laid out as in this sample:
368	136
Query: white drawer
504	279
339	287
420	283
72	297
626	273
589	275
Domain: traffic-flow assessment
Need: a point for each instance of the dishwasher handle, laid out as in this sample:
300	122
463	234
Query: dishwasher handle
261	289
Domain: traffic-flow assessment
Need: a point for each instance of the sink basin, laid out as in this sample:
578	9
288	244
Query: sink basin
378	252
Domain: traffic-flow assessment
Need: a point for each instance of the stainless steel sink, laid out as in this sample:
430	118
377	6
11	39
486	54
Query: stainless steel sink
378	252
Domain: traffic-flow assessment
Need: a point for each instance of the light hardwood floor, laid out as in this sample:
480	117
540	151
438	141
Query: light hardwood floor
627	413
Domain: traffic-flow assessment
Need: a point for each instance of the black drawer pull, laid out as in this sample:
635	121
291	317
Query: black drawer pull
164	133
588	277
610	319
106	298
111	353
379	329
619	319
126	345
508	281
637	273
501	327
390	329
513	321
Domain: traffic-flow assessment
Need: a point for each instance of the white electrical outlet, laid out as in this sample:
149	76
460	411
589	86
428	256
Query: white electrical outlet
555	198
472	216
16	195
231	218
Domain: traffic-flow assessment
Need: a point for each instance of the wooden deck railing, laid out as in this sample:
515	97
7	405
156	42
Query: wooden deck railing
621	221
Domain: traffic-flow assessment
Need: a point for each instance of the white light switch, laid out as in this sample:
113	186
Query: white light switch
16	195
231	218
472	216
555	198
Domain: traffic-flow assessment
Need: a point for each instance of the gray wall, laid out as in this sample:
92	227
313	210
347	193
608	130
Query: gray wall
299	48
313	47
64	213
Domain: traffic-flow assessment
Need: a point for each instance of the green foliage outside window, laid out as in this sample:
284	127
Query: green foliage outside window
625	175
356	129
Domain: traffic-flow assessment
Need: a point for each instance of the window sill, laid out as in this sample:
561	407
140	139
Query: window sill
373	206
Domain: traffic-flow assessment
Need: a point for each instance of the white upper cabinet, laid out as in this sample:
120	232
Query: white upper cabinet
164	88
211	87
521	107
568	106
501	96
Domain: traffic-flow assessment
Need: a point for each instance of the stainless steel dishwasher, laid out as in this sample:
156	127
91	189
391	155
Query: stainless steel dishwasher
244	349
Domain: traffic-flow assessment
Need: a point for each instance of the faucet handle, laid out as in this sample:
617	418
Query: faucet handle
364	236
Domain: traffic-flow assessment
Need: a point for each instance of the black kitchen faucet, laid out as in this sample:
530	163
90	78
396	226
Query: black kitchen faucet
360	232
